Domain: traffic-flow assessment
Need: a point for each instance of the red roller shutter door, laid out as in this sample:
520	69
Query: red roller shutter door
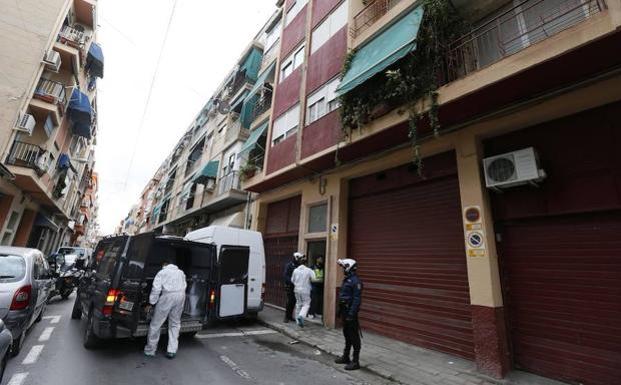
281	241
407	235
562	281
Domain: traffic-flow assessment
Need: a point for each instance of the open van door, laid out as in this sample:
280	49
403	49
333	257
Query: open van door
232	281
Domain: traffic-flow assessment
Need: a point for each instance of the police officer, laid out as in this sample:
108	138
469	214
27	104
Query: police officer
350	298
289	287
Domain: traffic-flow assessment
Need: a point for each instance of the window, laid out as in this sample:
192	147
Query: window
110	253
195	155
292	62
11	226
12	268
317	216
189	203
272	36
294	10
329	27
286	125
322	102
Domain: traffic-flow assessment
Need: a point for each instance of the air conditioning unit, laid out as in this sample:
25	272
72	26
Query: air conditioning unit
43	162
25	123
513	169
210	185
52	61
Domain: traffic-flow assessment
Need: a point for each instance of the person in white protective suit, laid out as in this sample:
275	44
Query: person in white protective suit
168	297
301	279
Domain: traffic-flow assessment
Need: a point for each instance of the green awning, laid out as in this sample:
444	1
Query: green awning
252	63
156	213
251	143
210	171
383	50
261	80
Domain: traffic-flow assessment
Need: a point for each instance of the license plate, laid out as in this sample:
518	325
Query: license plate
126	305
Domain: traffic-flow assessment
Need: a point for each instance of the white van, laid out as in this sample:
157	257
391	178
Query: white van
229	236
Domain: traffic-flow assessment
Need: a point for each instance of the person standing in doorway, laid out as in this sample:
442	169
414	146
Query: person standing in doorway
168	297
302	278
350	297
317	289
290	304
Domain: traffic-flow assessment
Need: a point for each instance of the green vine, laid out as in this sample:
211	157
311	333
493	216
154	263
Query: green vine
414	79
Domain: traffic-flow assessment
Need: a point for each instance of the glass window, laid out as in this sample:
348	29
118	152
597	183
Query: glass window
317	217
292	62
329	27
294	10
137	256
12	268
109	257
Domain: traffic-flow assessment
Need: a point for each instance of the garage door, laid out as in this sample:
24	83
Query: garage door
406	233
281	241
562	279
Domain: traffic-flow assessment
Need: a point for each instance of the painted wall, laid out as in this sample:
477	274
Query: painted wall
327	61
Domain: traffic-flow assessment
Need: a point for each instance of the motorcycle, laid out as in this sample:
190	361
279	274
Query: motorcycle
67	271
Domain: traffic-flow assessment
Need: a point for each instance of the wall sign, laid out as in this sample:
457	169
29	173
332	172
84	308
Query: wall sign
476	244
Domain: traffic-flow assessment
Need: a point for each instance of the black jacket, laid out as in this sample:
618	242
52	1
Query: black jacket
350	295
288	273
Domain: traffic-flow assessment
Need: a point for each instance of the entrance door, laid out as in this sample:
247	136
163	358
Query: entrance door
316	251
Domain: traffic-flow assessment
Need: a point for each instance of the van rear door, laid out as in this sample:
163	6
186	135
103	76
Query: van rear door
232	281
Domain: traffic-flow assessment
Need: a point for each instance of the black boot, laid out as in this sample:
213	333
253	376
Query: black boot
355	363
344	359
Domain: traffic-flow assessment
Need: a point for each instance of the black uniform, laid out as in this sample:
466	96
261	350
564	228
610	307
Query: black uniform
290	305
350	298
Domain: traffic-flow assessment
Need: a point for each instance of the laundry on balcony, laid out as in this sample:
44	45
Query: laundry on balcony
80	110
383	50
64	162
210	171
253	139
95	61
83	130
43	221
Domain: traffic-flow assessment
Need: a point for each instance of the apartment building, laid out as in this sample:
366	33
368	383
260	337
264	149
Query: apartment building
199	183
50	65
491	234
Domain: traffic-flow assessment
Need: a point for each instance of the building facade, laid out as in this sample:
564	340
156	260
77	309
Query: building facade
48	120
515	275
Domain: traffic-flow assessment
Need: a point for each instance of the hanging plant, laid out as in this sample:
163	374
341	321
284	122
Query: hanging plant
413	79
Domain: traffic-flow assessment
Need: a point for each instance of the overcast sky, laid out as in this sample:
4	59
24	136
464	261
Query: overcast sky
206	38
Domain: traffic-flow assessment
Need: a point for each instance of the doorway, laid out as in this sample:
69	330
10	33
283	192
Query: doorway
316	251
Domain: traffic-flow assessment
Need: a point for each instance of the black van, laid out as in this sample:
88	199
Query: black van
114	295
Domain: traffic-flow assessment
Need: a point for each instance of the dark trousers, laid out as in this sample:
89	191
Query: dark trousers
317	299
351	331
290	305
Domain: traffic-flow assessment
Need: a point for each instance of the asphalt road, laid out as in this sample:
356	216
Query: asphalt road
244	353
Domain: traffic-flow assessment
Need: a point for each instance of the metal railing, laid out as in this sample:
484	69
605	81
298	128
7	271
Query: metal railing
229	182
52	92
72	37
240	80
25	155
513	30
370	14
261	106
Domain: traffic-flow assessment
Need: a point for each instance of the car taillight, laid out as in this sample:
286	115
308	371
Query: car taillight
111	298
212	298
21	299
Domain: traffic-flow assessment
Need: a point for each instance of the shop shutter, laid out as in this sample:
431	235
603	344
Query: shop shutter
562	283
406	233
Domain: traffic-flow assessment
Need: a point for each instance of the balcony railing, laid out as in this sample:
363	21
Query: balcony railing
238	83
370	14
52	92
261	106
229	182
27	155
513	30
72	37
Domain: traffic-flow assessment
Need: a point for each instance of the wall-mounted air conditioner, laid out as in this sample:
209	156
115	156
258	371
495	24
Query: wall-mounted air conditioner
52	61
25	123
210	185
513	169
43	162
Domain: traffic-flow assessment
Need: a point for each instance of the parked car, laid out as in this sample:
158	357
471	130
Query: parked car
6	339
25	285
80	252
222	235
114	295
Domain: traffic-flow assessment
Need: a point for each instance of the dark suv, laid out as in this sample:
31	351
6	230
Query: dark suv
114	295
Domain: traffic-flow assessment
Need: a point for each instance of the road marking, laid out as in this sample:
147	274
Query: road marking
18	379
47	333
236	334
54	319
33	355
235	368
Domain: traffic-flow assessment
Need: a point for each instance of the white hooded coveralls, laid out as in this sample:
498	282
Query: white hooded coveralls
168	296
301	279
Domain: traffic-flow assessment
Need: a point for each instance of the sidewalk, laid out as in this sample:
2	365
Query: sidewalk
396	360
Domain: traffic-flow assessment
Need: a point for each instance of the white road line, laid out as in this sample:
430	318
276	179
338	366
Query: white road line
33	355
54	319
47	333
236	334
235	368
18	379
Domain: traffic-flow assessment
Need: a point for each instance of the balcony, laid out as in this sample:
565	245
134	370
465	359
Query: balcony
229	182
28	155
234	130
513	30
370	14
86	11
50	97
240	81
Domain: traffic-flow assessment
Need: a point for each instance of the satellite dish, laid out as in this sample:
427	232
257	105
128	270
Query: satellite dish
224	107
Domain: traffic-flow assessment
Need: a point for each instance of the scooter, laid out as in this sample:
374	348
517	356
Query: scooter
67	277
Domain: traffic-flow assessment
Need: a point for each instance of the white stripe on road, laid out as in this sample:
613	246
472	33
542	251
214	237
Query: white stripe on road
236	334
235	368
47	333
18	379
54	319
33	355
